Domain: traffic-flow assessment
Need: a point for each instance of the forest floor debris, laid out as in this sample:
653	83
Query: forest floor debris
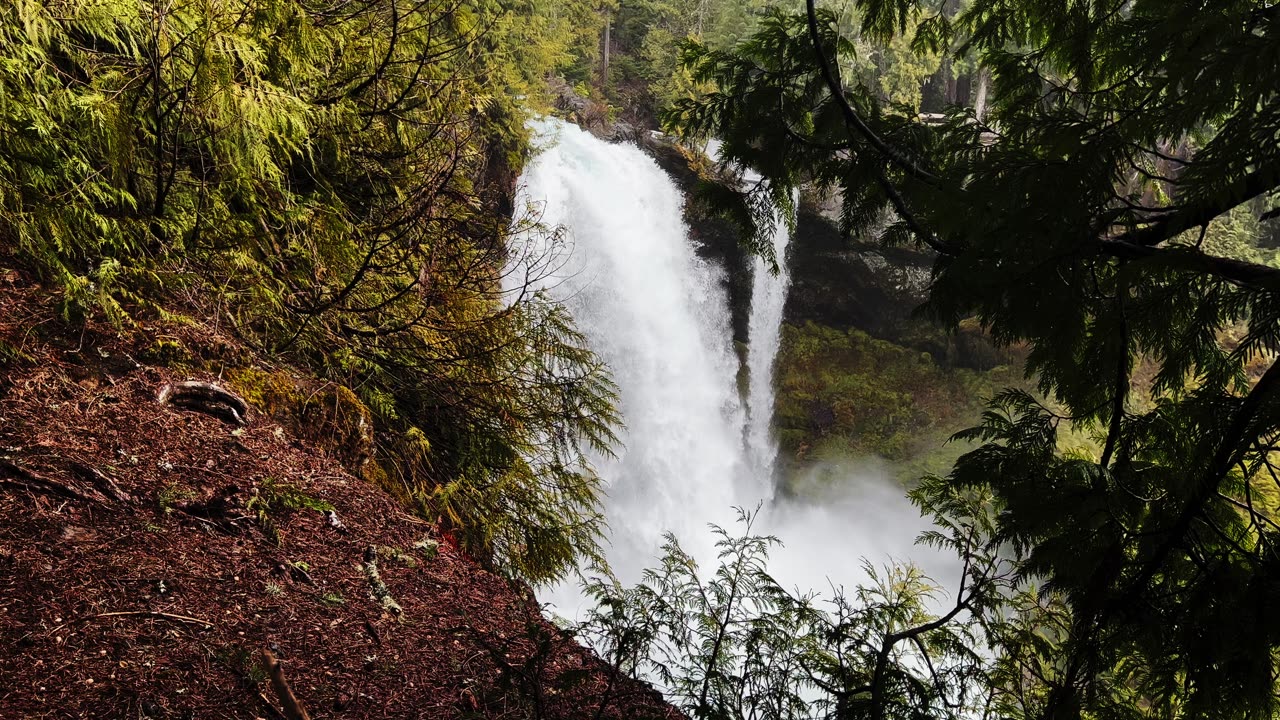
136	582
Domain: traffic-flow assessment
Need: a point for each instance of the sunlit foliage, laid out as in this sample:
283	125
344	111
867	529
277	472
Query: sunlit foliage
331	180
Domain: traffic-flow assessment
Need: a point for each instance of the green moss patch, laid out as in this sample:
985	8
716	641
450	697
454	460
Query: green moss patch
845	394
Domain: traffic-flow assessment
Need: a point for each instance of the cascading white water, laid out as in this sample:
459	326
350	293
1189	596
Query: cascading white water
658	315
764	326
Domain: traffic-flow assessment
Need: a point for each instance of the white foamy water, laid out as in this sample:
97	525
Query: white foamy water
692	449
769	286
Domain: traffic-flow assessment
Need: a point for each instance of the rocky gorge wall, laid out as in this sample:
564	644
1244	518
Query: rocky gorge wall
860	374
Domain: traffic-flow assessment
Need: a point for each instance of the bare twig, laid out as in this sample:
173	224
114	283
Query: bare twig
153	613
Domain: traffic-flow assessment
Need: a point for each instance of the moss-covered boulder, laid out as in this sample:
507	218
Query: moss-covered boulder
327	415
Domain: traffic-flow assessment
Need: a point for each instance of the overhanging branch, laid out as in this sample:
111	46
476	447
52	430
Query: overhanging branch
851	116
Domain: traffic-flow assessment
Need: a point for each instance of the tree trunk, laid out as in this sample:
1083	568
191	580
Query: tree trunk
949	78
604	66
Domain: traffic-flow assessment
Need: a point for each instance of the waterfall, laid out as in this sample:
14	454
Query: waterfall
658	314
764	325
764	333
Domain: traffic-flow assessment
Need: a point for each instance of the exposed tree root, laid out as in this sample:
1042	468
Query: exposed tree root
16	477
206	398
103	482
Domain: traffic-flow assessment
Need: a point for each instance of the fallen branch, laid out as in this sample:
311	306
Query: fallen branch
102	482
153	613
377	588
293	709
267	703
17	477
207	398
145	613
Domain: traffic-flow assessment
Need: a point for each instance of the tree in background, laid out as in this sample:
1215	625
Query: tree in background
1103	211
641	71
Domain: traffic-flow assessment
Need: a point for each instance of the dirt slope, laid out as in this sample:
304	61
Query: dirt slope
148	554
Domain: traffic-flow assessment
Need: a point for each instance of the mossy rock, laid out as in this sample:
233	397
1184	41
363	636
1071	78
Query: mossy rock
167	351
843	394
327	415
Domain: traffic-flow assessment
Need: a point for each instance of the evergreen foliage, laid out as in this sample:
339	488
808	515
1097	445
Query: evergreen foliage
645	74
1102	213
735	644
330	179
645	38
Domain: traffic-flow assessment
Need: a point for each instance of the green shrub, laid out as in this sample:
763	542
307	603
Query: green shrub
845	394
333	180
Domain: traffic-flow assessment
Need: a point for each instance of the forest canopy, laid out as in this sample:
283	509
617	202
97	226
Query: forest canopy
1089	208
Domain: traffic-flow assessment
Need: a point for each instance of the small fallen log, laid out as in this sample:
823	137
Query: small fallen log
293	709
377	588
137	613
207	398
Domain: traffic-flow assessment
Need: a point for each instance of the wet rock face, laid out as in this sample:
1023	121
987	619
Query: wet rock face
836	285
832	283
840	284
594	116
835	281
717	240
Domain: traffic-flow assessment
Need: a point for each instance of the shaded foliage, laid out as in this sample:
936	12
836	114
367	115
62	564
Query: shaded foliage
734	644
1102	213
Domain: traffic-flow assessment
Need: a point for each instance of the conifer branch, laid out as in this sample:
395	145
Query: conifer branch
1231	449
1246	274
831	76
1261	181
